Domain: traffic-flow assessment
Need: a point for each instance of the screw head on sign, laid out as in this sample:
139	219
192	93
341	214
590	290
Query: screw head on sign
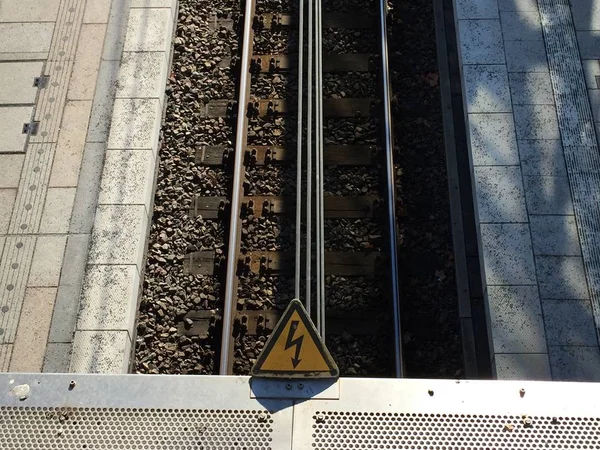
320	418
288	386
430	392
262	417
72	385
300	385
522	392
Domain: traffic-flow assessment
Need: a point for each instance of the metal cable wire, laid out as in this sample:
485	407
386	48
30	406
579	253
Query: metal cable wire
321	187
309	160
299	154
318	171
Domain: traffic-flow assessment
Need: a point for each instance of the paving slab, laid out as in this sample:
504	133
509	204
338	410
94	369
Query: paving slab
542	157
29	11
96	11
17	82
531	88
594	96
507	254
574	363
12	119
500	195
483	9
148	30
481	42
536	122
554	236
135	166
116	31
58	357
57	210
25	41
17	255
47	261
100	352
548	195
569	322
591	70
71	142
517	5
7	200
561	277
589	44
142	75
76	254
10	170
134	124
486	88
32	334
526	56
116	235
106	300
87	62
586	14
521	26
493	140
523	366
516	319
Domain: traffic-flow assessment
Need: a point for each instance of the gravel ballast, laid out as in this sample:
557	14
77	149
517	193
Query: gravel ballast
198	76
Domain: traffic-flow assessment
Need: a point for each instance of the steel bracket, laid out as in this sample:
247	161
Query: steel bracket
322	389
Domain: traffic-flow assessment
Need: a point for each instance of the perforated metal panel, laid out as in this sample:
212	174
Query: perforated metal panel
47	411
451	431
138	412
450	415
100	428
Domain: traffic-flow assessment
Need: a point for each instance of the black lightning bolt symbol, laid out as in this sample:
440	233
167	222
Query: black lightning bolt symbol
290	342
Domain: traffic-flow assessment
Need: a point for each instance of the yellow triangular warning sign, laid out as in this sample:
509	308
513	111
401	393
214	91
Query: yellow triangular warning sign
294	349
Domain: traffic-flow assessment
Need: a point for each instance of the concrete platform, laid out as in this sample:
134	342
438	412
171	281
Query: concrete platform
81	101
531	80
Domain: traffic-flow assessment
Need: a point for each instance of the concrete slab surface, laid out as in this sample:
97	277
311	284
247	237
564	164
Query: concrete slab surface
12	119
487	89
481	41
51	176
516	319
18	82
25	41
493	140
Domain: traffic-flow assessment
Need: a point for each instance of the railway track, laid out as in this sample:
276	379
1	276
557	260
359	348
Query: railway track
218	288
308	262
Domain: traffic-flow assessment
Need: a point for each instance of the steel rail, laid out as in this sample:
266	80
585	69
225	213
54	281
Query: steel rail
309	114
235	228
318	198
299	151
391	189
321	187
